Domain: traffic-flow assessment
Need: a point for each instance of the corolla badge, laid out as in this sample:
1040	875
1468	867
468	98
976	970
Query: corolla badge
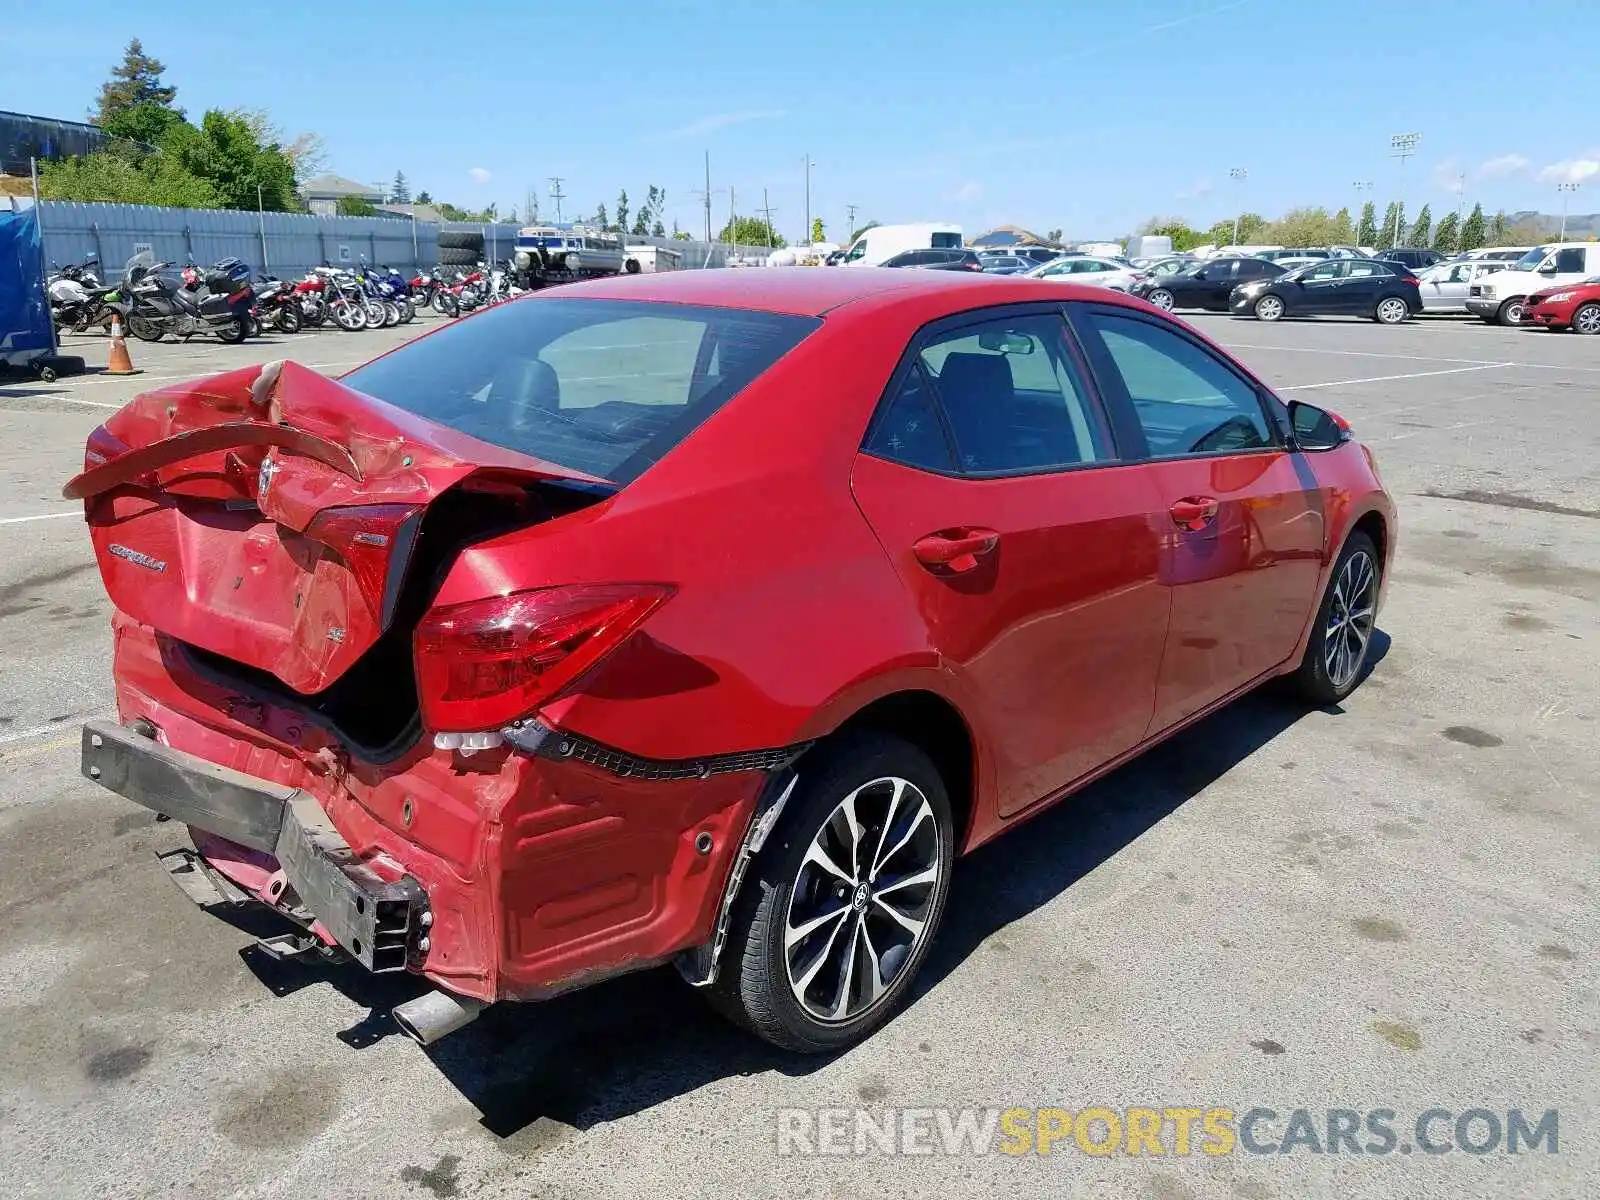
269	468
136	557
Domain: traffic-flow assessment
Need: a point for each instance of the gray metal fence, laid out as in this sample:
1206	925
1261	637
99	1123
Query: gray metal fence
282	244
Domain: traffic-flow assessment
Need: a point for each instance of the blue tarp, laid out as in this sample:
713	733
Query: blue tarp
24	311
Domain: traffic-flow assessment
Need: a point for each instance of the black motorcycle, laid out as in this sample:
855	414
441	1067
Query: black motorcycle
216	300
77	299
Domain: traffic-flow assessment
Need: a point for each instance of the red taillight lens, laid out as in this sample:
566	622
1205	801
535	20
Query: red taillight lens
371	538
484	664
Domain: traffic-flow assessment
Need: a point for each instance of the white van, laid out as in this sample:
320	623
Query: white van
879	244
1499	296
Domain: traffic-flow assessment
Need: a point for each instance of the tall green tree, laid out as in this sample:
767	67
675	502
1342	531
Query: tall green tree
817	230
1446	233
146	123
1367	228
355	206
424	198
135	80
1499	228
1472	231
224	151
1389	232
399	190
601	219
1343	230
622	211
750	231
1421	228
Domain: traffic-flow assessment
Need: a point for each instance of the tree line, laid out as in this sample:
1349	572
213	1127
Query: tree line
1317	227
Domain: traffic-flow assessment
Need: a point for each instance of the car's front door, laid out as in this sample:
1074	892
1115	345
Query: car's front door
992	478
1217	281
1445	287
1318	290
1243	516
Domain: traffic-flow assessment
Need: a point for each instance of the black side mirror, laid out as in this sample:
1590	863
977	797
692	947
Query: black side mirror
1315	428
1548	268
1200	275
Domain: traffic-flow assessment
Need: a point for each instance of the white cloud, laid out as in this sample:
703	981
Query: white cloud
722	120
479	175
1505	164
1571	170
967	193
1196	190
1445	174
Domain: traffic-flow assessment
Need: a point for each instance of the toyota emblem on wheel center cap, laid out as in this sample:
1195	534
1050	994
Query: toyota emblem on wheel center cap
859	901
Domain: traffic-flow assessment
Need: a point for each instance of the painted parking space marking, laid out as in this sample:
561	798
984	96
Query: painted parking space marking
1480	362
51	516
1301	387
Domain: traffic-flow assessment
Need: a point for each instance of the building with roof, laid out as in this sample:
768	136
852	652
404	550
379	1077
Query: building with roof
1007	237
322	194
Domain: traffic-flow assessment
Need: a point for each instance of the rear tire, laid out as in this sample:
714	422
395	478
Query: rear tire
1586	319
1510	312
1162	299
1391	310
287	319
232	332
1341	636
852	797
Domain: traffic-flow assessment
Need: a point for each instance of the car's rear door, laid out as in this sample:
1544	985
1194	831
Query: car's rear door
993	480
1364	284
1242	517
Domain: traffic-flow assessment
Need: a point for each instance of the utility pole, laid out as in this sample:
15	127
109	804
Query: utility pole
807	238
849	219
1238	175
1566	190
557	195
733	213
766	212
708	197
1402	146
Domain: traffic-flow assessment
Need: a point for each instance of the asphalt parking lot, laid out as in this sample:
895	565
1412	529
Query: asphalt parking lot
1389	906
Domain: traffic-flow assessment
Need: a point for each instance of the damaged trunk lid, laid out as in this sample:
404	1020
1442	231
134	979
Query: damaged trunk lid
269	515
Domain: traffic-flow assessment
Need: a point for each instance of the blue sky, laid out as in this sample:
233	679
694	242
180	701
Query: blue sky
1089	115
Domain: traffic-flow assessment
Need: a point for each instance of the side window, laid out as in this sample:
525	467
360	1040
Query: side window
1011	397
1223	271
858	251
1360	270
908	430
1186	400
1569	261
1327	271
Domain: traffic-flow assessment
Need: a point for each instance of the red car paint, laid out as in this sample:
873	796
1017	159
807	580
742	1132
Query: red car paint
1070	618
1542	308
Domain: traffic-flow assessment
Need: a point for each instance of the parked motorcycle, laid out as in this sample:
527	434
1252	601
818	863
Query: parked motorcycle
78	300
218	301
277	305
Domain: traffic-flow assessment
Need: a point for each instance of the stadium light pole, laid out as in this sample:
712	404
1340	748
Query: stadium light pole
1238	175
1566	190
1402	146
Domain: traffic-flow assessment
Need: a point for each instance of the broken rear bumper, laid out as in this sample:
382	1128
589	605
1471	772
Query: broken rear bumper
379	922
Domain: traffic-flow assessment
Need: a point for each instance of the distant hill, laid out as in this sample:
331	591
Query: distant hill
1579	225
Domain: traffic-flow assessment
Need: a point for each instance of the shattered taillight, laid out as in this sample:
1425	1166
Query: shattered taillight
374	540
486	663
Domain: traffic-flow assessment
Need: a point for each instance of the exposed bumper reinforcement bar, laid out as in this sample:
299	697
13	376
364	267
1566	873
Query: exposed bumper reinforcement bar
376	921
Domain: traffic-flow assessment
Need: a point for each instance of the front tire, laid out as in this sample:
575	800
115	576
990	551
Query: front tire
1269	308
1162	299
1586	319
233	332
1336	654
838	913
1510	312
287	319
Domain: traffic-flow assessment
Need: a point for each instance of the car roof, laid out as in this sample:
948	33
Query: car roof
814	291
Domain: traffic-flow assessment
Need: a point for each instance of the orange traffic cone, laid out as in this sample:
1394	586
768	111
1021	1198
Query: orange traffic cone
120	363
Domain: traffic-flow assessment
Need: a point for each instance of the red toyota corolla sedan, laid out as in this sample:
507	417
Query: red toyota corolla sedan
701	618
1574	306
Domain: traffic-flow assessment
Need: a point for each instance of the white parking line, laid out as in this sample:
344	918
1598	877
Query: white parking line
1302	387
55	516
1481	362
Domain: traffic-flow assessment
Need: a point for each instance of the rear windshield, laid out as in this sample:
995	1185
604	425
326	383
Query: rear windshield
605	387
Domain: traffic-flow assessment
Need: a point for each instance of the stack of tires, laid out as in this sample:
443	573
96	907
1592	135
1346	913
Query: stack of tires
460	248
